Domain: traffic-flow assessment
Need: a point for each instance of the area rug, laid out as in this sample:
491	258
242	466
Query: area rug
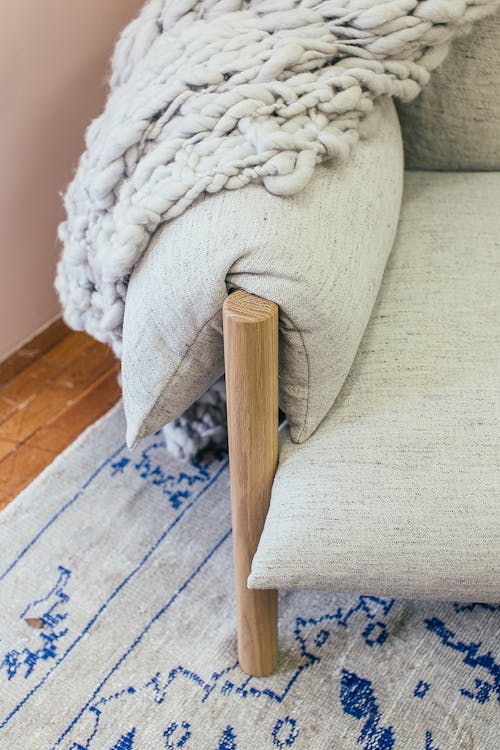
118	631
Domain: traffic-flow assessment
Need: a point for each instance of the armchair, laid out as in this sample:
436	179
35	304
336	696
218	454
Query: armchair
396	490
385	478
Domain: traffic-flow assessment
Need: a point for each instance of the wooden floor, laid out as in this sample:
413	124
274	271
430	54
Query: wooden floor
50	390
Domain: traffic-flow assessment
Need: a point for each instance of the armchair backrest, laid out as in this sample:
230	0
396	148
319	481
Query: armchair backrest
455	122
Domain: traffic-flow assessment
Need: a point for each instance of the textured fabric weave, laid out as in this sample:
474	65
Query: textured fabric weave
311	253
398	491
455	122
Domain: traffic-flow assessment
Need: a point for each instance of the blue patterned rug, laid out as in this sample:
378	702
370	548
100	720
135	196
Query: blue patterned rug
117	628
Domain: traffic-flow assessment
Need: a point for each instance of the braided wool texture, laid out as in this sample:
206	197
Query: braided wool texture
208	95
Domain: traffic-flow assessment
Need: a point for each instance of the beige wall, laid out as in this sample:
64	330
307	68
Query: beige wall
53	67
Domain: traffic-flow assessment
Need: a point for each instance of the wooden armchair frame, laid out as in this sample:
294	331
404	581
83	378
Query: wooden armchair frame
251	364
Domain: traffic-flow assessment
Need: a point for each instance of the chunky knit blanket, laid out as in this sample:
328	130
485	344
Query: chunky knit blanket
214	94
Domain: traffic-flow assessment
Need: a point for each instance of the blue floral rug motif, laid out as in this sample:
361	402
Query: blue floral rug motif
117	628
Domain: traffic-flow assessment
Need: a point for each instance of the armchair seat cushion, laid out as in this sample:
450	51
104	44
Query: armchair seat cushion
398	490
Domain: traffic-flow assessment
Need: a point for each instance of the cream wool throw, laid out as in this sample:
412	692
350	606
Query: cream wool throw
213	94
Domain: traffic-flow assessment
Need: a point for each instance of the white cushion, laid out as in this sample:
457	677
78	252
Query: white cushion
455	122
398	490
320	254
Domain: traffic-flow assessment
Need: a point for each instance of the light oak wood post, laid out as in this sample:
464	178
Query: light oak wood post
251	362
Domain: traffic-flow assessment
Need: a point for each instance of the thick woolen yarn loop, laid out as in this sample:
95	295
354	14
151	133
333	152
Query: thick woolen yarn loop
208	95
202	426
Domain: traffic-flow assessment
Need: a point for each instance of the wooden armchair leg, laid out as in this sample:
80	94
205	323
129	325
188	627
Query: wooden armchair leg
251	363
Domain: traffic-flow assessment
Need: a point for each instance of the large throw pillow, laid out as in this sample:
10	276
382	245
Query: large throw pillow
319	254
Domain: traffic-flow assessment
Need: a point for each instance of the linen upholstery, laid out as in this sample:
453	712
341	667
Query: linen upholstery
398	490
311	253
455	122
